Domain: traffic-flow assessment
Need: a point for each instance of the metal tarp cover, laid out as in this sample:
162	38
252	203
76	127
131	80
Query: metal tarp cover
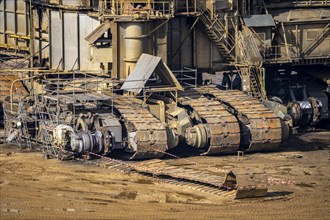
259	20
145	66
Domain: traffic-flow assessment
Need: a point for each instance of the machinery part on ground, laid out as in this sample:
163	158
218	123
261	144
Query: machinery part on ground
305	112
245	183
251	183
264	126
216	131
146	135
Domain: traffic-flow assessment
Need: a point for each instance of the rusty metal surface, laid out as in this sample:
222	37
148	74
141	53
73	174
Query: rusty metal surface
151	136
264	125
251	184
265	20
244	183
222	126
5	84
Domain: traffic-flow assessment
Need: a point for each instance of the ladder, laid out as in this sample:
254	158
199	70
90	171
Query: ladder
256	83
252	80
226	44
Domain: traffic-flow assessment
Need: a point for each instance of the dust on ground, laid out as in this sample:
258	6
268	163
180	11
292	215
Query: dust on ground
34	188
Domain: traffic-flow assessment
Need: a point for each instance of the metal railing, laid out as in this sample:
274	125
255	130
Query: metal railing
311	2
279	53
187	77
129	8
56	90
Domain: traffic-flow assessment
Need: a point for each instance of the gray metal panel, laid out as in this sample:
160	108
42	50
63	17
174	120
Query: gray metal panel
10	28
36	45
70	40
145	66
71	2
259	20
21	25
20	6
45	52
10	5
86	26
56	39
10	22
13	21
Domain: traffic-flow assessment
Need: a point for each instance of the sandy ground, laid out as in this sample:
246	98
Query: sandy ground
34	188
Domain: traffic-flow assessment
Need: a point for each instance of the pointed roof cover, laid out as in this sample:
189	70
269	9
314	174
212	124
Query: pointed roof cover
145	66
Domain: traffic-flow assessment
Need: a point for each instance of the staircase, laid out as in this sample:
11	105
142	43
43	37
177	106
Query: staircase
249	56
216	31
256	83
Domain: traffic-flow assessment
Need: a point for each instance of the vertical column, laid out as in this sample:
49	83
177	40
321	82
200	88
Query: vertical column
133	45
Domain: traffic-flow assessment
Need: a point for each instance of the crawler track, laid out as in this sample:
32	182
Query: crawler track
264	126
223	128
200	180
149	134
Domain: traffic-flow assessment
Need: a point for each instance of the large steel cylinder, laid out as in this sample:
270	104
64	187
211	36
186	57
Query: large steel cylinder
133	45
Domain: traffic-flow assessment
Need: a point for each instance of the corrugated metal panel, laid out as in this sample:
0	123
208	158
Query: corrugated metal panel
145	66
21	25
86	26
68	33
70	40
259	20
71	2
56	40
13	21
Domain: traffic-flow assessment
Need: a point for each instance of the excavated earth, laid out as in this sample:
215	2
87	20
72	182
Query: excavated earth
34	188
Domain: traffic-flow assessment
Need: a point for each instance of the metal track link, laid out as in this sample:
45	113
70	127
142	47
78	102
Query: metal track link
264	125
223	128
150	136
239	185
162	172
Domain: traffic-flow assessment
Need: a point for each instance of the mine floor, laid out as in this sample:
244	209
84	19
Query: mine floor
34	188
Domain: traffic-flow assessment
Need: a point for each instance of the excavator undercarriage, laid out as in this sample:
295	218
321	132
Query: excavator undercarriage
72	118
